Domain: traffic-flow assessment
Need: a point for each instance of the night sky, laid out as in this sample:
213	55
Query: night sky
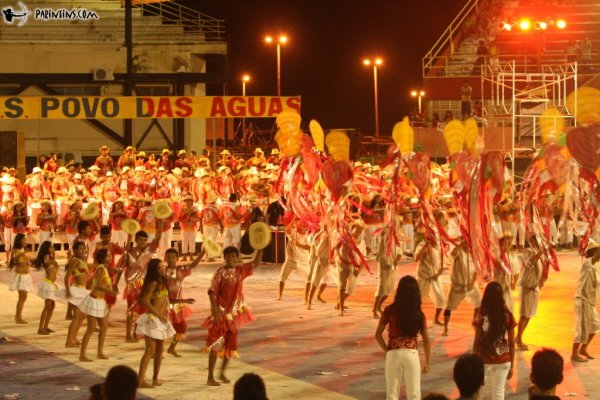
322	61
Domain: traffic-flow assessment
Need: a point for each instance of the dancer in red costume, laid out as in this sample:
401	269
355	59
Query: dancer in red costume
228	312
178	311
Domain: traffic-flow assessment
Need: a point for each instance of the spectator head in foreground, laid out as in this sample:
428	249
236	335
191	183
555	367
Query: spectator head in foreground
469	375
436	396
546	374
121	383
249	387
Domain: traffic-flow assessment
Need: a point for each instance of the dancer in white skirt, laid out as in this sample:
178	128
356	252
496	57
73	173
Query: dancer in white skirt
94	306
154	324
75	291
21	280
47	288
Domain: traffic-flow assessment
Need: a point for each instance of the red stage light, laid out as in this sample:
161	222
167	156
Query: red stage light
525	24
506	26
561	23
540	25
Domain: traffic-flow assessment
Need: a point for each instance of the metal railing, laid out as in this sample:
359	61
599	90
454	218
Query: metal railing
448	38
192	21
445	67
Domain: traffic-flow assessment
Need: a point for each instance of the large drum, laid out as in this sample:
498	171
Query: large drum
275	251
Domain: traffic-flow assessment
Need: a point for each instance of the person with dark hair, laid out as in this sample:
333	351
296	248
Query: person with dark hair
94	306
228	311
469	376
47	288
250	387
77	268
404	319
114	272
179	312
21	281
154	323
96	392
546	374
136	260
121	383
495	339
587	322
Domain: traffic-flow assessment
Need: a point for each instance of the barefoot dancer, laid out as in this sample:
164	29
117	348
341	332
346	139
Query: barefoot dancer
587	322
178	312
463	282
47	288
386	273
21	280
228	312
94	306
429	270
135	271
75	292
154	324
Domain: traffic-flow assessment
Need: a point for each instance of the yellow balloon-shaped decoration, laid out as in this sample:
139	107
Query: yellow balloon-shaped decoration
454	133
289	135
338	145
551	123
404	136
317	134
471	135
587	109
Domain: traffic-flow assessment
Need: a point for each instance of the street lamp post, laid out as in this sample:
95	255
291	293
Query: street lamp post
245	79
375	62
281	40
420	94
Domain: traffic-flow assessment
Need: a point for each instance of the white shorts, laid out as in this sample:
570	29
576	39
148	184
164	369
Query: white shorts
457	295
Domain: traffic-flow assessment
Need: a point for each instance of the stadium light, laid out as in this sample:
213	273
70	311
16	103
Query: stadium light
525	24
561	23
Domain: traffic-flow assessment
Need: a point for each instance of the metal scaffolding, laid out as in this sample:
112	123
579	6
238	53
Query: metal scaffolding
516	98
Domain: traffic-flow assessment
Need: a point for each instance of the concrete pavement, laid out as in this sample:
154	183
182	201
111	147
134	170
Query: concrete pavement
300	354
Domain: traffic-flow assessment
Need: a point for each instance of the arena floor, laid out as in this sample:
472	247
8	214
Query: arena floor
300	354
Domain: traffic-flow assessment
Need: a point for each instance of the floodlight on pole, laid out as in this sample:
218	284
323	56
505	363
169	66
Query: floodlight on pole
419	94
376	62
283	39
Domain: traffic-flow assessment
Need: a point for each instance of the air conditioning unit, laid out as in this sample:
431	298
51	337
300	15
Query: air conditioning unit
103	74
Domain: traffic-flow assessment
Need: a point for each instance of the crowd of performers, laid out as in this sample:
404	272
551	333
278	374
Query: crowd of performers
467	216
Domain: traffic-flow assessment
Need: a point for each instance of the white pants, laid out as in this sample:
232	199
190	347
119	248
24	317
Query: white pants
119	237
164	243
188	242
399	363
495	379
210	232
232	236
408	231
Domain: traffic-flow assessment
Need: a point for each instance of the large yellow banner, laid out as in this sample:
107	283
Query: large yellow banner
106	107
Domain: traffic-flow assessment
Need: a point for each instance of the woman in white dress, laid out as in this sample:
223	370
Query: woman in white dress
47	288
154	324
21	281
94	306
